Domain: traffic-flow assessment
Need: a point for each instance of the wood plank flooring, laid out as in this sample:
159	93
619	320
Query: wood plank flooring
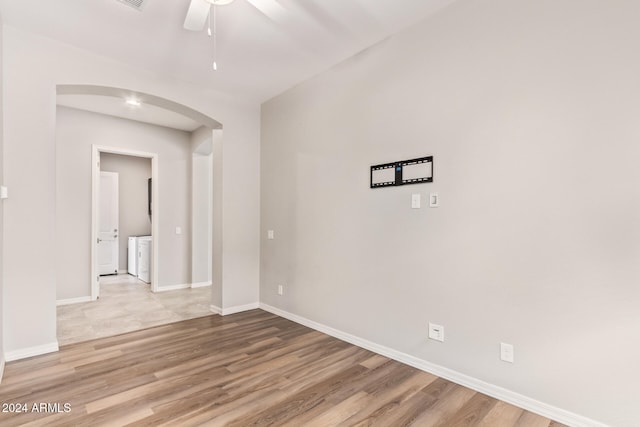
247	369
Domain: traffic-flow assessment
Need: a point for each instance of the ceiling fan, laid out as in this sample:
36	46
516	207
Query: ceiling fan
199	12
203	12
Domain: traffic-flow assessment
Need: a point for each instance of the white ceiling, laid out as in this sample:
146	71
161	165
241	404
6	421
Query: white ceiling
264	46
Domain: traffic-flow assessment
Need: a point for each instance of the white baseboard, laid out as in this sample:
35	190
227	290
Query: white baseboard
233	310
10	356
492	390
183	286
200	285
173	287
73	300
239	308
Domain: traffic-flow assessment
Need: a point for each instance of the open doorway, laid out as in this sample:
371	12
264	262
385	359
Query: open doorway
108	233
183	261
124	217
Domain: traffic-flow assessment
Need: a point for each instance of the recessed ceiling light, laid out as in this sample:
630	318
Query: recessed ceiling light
132	102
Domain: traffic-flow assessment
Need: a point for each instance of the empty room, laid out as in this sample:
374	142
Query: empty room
320	213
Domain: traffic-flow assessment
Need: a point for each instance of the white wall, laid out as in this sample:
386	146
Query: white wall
133	174
202	217
201	140
218	220
33	66
530	110
201	201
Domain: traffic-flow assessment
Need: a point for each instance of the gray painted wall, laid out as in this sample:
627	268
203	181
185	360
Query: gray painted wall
201	199
218	236
201	222
133	173
76	131
29	172
530	110
1	209
33	66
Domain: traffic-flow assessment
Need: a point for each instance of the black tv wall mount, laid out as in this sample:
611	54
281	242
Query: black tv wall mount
414	171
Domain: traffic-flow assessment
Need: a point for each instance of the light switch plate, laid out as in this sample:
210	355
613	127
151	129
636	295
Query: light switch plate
415	201
4	192
434	200
178	230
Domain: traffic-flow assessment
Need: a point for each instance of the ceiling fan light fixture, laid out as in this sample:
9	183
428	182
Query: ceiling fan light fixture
219	2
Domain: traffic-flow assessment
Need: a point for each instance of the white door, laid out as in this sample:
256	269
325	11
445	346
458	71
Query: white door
108	222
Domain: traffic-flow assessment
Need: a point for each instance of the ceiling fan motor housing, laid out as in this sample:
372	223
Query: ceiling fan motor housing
219	2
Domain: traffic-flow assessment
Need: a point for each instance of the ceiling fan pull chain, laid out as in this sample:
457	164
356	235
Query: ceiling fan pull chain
215	38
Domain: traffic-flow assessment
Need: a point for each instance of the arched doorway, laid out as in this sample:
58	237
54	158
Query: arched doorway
162	246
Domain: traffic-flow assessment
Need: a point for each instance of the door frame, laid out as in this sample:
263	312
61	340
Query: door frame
155	196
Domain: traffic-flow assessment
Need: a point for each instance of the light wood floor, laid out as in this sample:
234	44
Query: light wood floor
127	304
247	369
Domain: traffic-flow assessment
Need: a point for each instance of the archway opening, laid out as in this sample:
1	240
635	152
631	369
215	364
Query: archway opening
169	230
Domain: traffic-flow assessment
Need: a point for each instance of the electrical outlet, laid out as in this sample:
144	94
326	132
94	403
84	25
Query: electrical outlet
280	289
506	352
270	234
436	332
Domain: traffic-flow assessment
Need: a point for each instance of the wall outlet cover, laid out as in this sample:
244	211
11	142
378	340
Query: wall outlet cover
506	352
436	332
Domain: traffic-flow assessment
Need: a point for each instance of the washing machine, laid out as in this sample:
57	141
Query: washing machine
132	256
145	248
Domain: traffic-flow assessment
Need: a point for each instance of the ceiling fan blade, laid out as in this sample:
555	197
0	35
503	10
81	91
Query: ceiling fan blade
271	9
197	15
